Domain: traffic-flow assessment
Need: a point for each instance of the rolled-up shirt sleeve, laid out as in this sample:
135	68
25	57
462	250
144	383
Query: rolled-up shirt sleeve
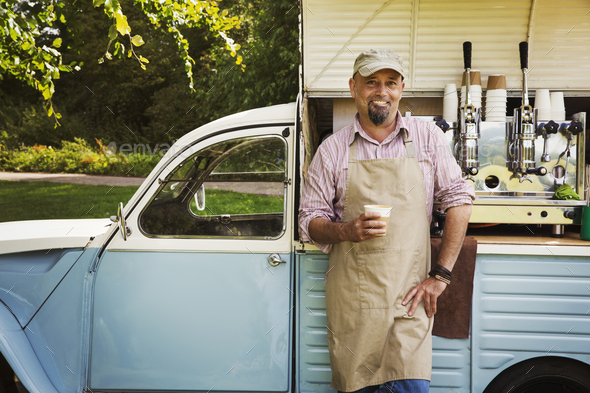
318	196
450	189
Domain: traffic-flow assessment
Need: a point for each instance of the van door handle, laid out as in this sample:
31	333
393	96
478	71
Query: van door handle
275	260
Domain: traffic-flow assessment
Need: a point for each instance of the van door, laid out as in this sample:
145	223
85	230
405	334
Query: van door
199	297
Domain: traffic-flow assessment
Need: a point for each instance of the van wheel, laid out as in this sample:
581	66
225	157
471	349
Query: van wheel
7	380
549	374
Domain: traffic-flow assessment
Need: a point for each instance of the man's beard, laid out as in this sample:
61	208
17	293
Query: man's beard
378	116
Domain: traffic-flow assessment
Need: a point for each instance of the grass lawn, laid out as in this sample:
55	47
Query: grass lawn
230	202
46	200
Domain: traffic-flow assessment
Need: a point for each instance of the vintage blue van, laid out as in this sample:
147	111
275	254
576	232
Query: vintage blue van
201	283
179	294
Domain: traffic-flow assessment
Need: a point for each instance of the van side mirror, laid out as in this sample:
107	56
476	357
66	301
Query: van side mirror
120	218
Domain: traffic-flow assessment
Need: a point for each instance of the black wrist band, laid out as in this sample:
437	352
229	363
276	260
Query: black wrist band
439	271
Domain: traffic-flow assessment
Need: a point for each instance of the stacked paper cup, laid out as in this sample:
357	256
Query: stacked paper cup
474	89
543	105
450	103
496	98
557	106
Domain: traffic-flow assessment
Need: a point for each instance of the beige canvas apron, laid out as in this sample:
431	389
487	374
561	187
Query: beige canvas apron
371	338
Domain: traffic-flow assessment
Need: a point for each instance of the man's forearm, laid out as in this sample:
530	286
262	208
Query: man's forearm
325	231
453	235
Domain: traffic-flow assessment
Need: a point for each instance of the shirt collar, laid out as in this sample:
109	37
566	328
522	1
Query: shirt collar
357	128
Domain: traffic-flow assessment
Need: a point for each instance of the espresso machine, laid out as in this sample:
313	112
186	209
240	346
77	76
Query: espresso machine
467	134
516	165
523	133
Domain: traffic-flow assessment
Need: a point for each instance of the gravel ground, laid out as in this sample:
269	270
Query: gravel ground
72	178
267	189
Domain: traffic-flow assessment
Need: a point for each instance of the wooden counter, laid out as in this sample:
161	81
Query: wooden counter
527	235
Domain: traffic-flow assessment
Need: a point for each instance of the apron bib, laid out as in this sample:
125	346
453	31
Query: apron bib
371	338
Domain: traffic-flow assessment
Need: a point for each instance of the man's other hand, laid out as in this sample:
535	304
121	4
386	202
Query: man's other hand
429	290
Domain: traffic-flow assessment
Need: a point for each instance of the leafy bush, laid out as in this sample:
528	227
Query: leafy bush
75	157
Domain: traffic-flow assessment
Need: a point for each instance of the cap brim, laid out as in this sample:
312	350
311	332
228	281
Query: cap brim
366	71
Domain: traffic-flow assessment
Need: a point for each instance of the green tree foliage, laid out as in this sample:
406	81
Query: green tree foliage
271	53
117	101
268	36
25	54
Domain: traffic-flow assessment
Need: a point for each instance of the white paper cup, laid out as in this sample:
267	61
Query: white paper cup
474	97
495	109
475	103
474	89
542	99
544	114
496	93
558	116
384	210
495	117
557	103
496	100
450	87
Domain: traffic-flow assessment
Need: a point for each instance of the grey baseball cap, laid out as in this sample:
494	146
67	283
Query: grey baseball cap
373	60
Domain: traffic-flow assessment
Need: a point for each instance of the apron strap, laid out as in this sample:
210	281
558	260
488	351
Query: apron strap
352	150
408	143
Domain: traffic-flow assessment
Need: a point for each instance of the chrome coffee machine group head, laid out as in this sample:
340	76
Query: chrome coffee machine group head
468	133
521	138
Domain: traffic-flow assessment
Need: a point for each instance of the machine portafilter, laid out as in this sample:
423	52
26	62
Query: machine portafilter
521	146
545	130
466	144
570	132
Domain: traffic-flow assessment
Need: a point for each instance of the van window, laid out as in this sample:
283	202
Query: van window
233	189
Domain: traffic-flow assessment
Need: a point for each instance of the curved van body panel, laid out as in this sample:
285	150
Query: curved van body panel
28	278
23	236
36	255
20	355
58	331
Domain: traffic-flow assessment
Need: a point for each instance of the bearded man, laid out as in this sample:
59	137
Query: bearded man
379	297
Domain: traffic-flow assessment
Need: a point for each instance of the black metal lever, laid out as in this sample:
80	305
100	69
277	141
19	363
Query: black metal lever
550	127
575	127
524	54
467	54
443	125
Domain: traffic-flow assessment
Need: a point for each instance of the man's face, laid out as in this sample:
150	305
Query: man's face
377	96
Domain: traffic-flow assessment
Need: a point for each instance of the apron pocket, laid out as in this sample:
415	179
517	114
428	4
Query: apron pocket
382	273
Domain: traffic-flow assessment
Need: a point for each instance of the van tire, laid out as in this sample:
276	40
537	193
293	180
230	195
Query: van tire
549	374
7	381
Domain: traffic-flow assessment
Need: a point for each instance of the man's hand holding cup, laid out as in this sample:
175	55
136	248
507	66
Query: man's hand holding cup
369	225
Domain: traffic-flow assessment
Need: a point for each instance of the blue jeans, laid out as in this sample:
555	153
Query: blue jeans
400	386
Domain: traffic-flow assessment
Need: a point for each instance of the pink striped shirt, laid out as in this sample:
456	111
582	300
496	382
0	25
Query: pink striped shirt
324	191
